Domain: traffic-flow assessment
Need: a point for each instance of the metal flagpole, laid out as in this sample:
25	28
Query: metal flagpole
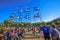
20	15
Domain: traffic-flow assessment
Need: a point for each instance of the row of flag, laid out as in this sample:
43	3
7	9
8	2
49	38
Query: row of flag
27	10
35	15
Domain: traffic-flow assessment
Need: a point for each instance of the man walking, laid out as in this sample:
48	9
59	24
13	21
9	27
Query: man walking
46	30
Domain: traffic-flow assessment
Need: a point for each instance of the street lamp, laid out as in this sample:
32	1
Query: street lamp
27	16
20	15
20	11
37	14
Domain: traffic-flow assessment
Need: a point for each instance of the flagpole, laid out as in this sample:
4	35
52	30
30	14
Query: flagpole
20	15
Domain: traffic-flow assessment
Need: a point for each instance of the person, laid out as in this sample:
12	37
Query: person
12	35
33	30
40	29
22	32
5	34
17	35
46	32
54	33
58	28
1	34
9	35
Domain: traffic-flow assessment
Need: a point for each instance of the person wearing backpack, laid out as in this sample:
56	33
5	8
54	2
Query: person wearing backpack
58	28
54	33
12	35
5	34
8	35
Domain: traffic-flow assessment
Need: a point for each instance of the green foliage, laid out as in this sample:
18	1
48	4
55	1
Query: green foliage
0	24
48	23
37	24
20	24
57	22
7	22
28	24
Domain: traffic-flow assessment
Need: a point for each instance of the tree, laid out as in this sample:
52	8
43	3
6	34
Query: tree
37	24
28	24
48	23
42	23
57	22
7	22
20	24
0	24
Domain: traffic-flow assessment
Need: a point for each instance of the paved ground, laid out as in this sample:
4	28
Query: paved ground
30	36
33	39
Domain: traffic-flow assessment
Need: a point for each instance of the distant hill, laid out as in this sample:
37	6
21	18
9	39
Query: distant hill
57	19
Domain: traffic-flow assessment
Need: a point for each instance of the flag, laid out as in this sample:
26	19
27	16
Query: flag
19	17
27	17
20	11
36	15
27	9
36	8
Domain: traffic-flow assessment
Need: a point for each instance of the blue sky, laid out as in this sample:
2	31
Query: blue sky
49	9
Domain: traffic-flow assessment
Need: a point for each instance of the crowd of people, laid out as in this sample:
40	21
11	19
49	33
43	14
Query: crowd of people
50	32
11	33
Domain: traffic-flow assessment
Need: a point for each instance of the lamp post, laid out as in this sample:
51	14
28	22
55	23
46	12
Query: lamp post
37	13
12	16
27	10
20	15
27	16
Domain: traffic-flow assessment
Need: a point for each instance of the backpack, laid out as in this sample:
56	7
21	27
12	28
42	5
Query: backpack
8	33
57	32
58	29
12	34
